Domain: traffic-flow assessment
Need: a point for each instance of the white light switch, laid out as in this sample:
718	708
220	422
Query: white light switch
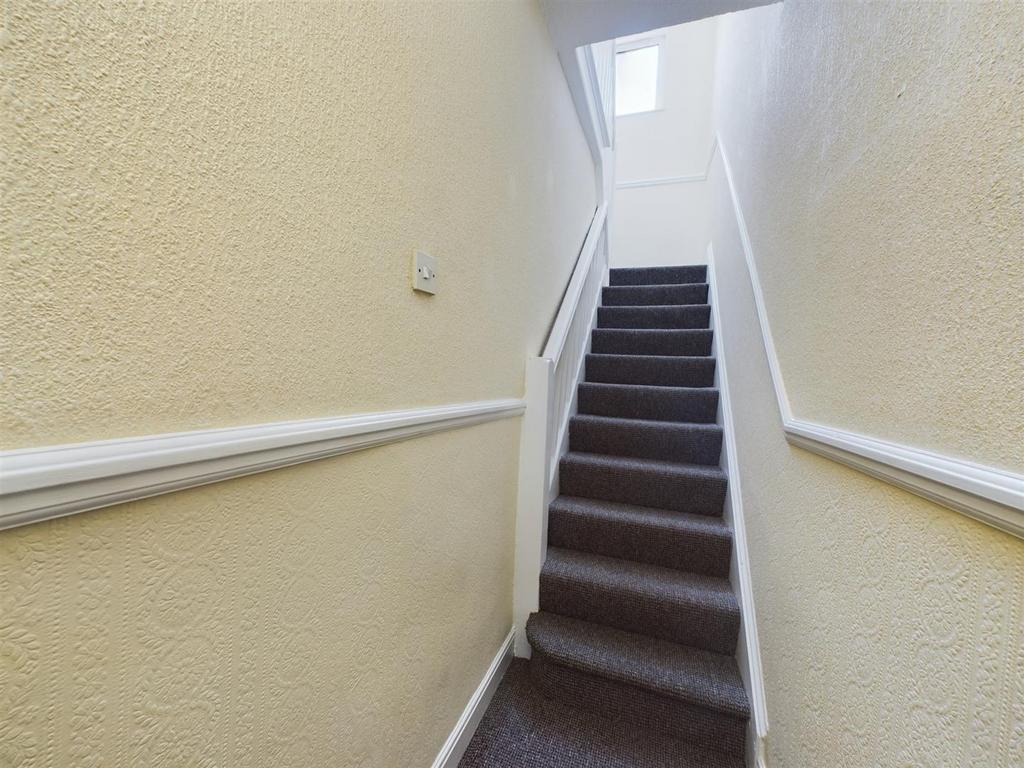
424	272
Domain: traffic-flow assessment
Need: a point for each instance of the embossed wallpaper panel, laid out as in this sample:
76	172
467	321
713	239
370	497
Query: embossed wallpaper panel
878	151
891	629
210	209
338	613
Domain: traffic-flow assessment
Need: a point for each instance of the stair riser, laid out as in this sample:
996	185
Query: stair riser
697	316
689	551
659	371
658	275
694	406
639	295
620	701
670	442
623	341
679	621
701	496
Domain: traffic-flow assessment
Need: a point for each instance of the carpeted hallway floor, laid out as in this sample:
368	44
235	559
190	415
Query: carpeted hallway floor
633	647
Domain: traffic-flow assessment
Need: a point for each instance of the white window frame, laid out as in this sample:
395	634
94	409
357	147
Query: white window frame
659	85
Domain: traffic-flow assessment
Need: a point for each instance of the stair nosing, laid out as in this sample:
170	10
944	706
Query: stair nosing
662	357
599	587
710	469
651	285
722	582
703	331
715	526
700	426
654	285
716	704
666	387
650	306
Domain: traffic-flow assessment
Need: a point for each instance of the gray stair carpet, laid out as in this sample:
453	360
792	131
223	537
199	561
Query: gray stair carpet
645	295
658	370
633	648
523	728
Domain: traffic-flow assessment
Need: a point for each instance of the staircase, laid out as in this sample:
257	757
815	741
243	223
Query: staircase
633	647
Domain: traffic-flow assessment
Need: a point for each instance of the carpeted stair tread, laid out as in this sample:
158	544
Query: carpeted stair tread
643	401
651	341
645	439
659	370
642	295
658	275
710	680
672	316
522	728
686	608
694	543
644	482
633	645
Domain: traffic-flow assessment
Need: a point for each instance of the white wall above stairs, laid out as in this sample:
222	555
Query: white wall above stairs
660	210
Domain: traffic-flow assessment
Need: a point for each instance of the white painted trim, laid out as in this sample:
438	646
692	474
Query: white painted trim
657	182
561	443
571	299
603	56
592	89
749	649
760	754
989	495
533	481
762	314
43	483
628	115
993	496
531	498
455	745
544	433
635	42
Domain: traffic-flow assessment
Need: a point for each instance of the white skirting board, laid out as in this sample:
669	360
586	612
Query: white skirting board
993	496
455	746
748	655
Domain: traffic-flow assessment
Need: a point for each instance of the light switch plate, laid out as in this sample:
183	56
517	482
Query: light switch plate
424	272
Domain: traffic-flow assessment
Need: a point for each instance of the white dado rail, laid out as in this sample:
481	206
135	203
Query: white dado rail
43	483
993	496
551	383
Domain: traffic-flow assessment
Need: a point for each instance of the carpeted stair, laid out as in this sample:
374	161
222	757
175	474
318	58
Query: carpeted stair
633	647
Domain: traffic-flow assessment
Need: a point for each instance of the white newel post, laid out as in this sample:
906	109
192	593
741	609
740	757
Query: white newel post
552	378
531	512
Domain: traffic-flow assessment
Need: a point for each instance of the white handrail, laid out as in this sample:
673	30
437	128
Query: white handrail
603	55
552	377
571	299
551	383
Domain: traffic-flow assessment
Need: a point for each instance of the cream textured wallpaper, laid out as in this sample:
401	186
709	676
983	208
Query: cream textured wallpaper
210	210
335	613
874	150
878	150
209	215
891	629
